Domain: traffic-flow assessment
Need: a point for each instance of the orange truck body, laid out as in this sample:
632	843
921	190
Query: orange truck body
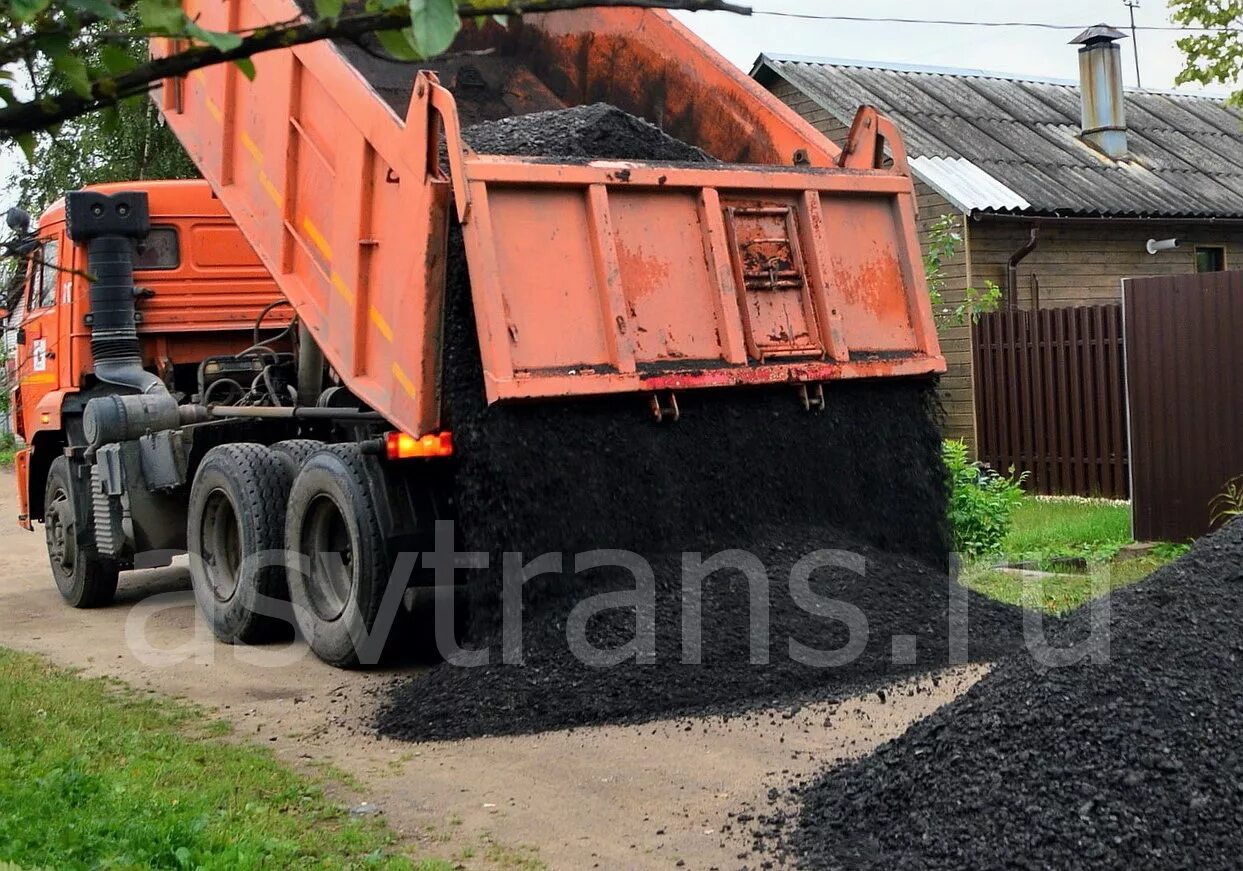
793	262
202	300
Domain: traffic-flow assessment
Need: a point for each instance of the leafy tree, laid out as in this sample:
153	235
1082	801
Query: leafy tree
1216	56
126	142
42	39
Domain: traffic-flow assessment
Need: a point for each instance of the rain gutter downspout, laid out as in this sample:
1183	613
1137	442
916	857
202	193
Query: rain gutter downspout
1012	267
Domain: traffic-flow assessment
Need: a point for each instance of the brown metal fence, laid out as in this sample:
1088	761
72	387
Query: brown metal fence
1050	398
1184	338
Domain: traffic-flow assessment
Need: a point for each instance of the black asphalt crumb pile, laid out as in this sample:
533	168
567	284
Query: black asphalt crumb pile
904	602
742	470
1134	763
594	132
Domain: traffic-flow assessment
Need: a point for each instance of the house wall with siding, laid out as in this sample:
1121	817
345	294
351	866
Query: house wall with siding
1083	263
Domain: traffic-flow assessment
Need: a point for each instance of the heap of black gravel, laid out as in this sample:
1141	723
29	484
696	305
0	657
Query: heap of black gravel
749	470
594	132
1137	763
906	605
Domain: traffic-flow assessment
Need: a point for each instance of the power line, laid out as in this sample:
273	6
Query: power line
1041	25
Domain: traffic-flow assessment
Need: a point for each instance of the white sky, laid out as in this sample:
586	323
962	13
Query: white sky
1043	53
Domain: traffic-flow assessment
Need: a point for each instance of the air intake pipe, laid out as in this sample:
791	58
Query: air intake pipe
109	225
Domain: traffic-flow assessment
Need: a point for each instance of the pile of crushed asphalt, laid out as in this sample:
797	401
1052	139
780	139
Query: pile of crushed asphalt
1133	762
749	471
747	658
594	132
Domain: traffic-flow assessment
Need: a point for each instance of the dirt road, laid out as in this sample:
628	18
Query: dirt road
613	797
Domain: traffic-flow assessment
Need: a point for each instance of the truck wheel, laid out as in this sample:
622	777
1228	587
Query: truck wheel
295	452
338	563
84	578
235	534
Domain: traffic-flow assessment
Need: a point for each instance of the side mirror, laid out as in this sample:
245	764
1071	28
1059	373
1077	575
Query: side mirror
18	220
21	335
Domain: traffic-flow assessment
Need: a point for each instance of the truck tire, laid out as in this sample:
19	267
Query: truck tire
84	578
235	534
338	563
295	452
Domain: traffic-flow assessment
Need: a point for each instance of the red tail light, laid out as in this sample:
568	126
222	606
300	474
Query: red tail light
403	446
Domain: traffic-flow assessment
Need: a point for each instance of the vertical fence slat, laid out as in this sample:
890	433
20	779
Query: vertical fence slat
1117	405
1039	421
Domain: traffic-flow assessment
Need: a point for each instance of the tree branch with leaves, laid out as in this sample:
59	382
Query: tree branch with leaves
47	79
1214	57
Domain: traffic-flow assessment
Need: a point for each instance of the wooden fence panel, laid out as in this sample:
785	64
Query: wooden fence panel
1184	368
1051	398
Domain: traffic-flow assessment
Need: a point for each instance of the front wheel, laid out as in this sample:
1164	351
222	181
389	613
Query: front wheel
83	577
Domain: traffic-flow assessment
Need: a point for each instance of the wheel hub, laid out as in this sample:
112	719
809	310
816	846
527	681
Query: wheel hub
61	531
326	541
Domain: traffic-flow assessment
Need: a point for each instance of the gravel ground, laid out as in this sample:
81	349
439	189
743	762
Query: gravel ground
1136	762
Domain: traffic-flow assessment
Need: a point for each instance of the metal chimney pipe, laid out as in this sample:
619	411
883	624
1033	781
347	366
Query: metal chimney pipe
1100	81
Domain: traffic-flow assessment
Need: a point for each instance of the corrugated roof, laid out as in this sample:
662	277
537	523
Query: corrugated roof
989	142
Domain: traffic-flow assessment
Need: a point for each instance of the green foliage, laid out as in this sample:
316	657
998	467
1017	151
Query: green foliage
1168	551
125	142
1216	57
944	240
93	776
982	502
1228	504
47	34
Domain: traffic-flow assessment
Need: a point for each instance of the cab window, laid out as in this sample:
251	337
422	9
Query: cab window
45	275
159	250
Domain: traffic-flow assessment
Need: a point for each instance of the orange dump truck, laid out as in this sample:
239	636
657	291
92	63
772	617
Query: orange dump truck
789	265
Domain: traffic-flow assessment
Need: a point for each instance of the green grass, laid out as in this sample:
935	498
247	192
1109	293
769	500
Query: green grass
1063	593
1049	529
94	776
1053	528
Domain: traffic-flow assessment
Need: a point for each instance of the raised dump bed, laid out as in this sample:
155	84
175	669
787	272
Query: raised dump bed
791	261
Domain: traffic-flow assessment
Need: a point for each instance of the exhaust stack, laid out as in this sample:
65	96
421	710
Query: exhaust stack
1100	81
109	225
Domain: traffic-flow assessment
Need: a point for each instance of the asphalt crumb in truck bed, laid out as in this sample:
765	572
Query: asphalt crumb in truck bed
1134	762
594	132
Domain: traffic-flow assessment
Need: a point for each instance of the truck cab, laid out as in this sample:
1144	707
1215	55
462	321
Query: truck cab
200	290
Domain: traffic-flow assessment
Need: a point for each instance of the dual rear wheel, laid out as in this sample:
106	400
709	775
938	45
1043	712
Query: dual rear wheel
288	534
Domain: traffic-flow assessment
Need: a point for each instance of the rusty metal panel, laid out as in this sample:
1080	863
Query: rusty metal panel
1050	399
1183	365
646	298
